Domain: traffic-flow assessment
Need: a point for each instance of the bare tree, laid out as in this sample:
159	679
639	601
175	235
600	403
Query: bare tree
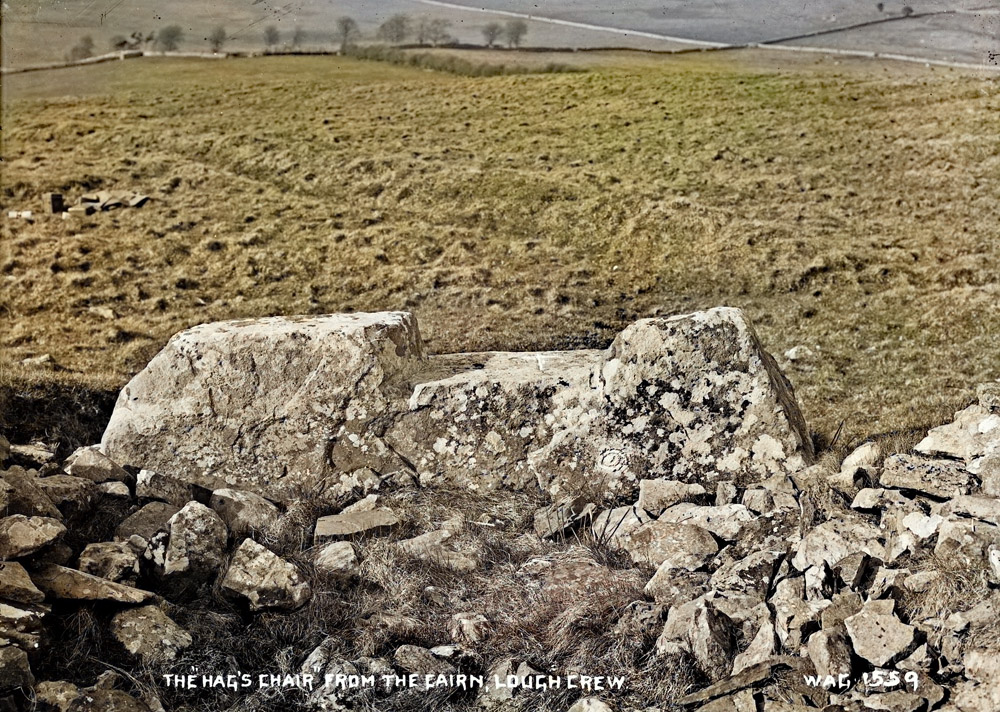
492	32
169	38
395	30
347	30
217	38
515	32
437	33
271	36
298	37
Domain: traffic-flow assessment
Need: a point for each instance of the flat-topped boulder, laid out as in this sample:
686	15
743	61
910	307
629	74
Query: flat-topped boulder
281	405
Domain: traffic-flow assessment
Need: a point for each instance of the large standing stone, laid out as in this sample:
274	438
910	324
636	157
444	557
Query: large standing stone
692	398
264	579
273	405
265	404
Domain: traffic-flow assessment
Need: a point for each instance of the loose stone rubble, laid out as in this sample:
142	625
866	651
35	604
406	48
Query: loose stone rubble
780	584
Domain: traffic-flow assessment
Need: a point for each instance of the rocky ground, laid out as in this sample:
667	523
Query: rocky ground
864	583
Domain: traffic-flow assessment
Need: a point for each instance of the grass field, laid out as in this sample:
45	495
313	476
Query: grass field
850	208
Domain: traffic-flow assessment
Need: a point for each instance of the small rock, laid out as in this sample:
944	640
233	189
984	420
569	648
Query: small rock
149	634
16	586
35	454
674	587
55	696
22	624
589	704
64	583
114	490
94	699
725	522
922	525
193	546
830	652
92	464
833	540
73	496
244	512
872	498
344	526
338	558
708	634
761	648
154	486
110	560
15	671
683	546
966	438
657	495
147	522
265	579
613	526
417	660
865	456
725	493
878	635
469	628
985	509
940	478
24	497
21	535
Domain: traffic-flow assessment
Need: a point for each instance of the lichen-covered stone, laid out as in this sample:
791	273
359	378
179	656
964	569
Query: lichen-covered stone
264	579
149	634
265	404
21	535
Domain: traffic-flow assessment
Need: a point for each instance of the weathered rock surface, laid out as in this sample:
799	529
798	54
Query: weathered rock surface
877	635
707	633
941	478
244	512
614	526
264	579
22	624
16	585
111	560
92	464
726	522
24	496
149	634
147	522
657	495
61	582
14	669
72	496
679	546
974	431
192	547
265	404
153	485
574	575
691	398
352	524
832	541
338	559
21	535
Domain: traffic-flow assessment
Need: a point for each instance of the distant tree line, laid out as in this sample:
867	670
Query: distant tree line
432	31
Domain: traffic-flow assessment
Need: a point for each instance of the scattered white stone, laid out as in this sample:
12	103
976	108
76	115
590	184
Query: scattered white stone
264	579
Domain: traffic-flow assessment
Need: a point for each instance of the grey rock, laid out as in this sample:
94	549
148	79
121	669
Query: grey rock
339	560
941	478
830	652
21	535
64	583
414	659
24	496
149	634
657	495
707	633
985	509
673	587
264	579
344	526
468	627
310	385
114	490
864	456
15	671
750	576
877	635
726	522
74	497
761	648
192	547
150	485
612	527
146	522
590	704
244	512
92	464
684	546
833	540
111	560
16	586
966	438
